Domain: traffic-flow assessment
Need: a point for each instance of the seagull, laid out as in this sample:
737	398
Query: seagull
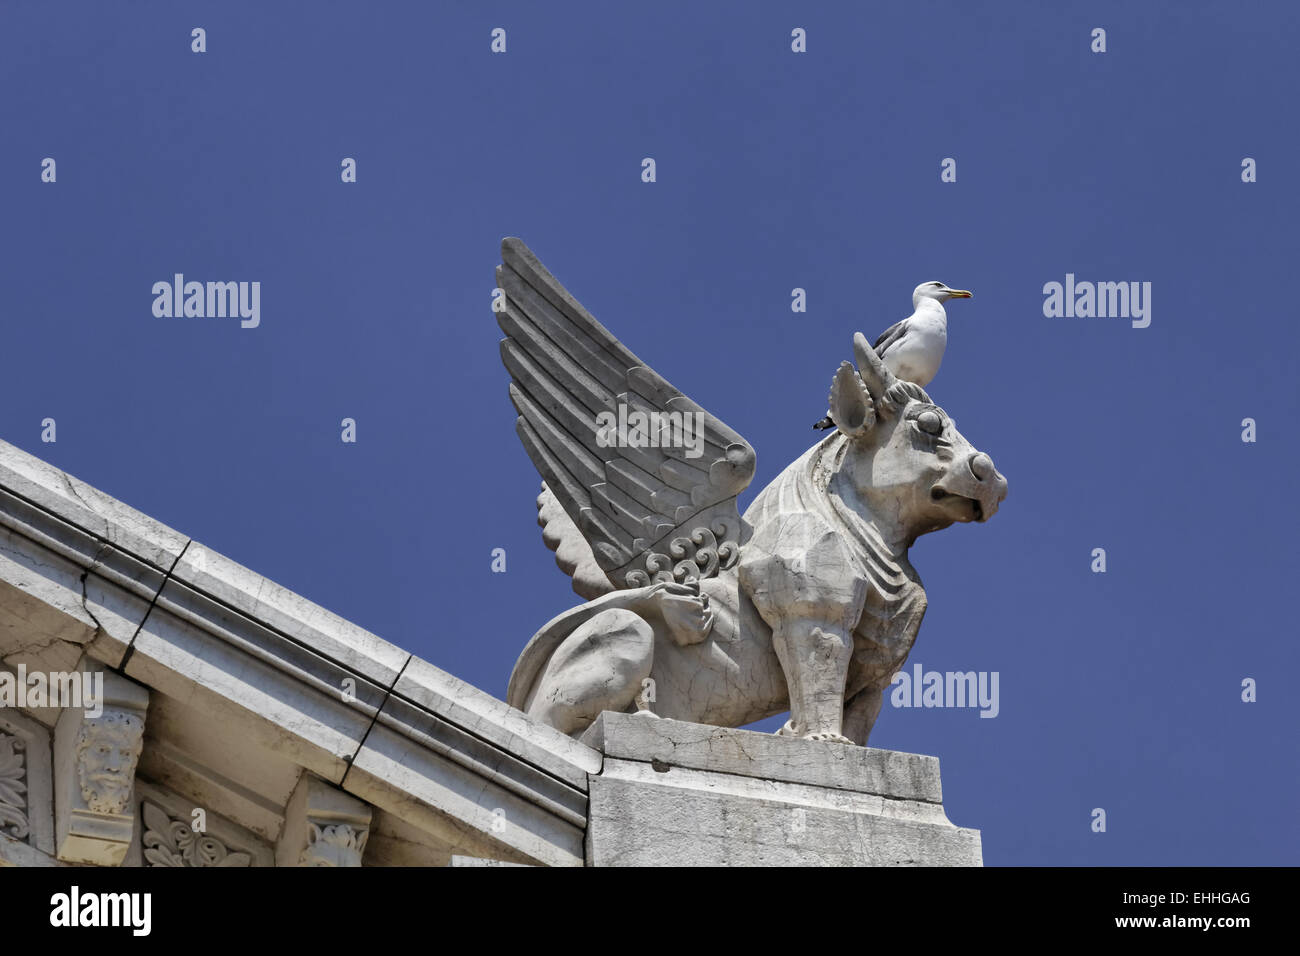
913	348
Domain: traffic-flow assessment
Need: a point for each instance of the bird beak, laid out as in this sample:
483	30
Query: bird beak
958	294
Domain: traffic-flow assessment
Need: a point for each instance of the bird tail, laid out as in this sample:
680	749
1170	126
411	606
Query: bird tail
825	423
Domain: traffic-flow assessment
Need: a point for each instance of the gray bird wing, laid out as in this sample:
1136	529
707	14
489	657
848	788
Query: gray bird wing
626	516
889	337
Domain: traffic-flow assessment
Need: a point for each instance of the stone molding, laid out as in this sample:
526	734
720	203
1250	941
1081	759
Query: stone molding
281	673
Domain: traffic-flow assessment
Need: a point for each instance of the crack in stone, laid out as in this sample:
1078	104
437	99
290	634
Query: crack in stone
99	628
73	491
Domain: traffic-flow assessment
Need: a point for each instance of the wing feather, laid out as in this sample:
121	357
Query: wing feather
563	337
628	503
608	543
580	460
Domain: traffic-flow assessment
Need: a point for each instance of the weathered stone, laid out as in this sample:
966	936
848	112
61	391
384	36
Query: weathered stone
174	830
252	682
94	770
105	518
280	733
643	817
674	743
807	604
26	782
676	794
483	802
323	826
497	722
249	686
17	853
282	611
479	861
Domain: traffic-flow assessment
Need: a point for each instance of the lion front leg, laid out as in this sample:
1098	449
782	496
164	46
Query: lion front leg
801	580
815	658
599	667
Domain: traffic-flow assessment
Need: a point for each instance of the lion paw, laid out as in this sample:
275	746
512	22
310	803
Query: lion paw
830	738
788	730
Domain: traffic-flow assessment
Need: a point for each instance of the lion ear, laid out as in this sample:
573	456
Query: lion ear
850	402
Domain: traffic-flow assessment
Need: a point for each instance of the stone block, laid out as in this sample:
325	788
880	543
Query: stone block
678	794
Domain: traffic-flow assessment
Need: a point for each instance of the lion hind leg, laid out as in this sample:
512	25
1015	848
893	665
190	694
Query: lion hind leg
601	666
860	714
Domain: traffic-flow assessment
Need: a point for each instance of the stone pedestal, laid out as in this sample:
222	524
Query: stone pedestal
679	794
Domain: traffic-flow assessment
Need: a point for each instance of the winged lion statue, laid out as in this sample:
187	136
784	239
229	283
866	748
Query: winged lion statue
808	603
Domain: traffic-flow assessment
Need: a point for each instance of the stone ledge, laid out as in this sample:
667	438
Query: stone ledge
221	582
434	690
746	753
83	506
473	815
504	768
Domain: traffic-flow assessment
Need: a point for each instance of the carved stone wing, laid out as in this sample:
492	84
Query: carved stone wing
645	513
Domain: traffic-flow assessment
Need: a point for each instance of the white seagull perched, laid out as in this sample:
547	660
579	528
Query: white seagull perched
913	348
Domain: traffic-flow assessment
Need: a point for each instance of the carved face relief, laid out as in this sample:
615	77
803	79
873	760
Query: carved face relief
108	748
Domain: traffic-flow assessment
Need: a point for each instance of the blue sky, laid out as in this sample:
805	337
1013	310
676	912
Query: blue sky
775	170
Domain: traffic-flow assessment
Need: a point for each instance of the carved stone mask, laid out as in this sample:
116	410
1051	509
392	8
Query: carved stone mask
108	748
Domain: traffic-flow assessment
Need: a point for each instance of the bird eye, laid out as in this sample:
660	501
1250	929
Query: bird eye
930	422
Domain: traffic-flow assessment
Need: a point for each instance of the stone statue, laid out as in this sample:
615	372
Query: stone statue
808	603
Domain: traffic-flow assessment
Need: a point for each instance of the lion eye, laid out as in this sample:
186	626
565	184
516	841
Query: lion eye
930	423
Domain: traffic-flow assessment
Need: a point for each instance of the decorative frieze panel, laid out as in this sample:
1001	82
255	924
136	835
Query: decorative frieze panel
175	830
13	787
26	811
169	842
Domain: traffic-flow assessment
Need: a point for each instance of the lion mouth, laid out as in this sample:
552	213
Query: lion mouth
962	508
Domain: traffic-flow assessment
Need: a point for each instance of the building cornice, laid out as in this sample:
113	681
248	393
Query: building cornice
83	572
